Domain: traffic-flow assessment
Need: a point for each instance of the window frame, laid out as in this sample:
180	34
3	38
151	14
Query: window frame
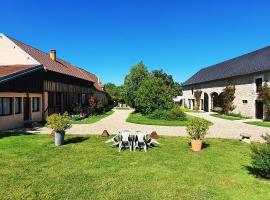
20	105
255	78
2	106
33	104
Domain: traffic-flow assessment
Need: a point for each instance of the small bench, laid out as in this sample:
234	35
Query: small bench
245	137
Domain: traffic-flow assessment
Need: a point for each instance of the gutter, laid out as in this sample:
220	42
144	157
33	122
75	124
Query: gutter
20	73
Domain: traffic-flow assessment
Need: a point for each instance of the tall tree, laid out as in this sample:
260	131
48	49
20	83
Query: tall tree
133	80
153	95
175	87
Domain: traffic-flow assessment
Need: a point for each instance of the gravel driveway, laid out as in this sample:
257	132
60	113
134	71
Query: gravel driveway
117	121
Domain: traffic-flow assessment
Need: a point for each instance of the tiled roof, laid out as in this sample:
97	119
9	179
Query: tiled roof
12	69
59	66
257	61
96	80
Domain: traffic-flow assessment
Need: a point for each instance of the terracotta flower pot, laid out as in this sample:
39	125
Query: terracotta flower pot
196	145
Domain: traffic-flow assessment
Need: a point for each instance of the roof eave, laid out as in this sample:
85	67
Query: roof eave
21	73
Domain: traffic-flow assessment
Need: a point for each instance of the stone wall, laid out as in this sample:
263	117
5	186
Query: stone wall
245	90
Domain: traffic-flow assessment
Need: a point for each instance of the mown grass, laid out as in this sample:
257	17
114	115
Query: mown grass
228	117
92	119
138	118
87	168
259	123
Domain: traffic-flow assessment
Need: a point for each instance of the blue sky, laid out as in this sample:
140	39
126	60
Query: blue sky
107	37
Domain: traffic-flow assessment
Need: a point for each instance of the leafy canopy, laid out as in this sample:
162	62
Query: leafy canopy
153	94
133	80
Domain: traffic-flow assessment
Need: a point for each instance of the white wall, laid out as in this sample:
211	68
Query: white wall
11	54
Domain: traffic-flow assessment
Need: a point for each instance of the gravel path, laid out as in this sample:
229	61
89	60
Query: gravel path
117	122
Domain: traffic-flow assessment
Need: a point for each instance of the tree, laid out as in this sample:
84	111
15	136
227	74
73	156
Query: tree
228	97
175	87
133	80
116	92
152	95
168	79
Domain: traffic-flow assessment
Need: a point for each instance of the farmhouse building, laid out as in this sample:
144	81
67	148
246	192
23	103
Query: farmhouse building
247	73
34	84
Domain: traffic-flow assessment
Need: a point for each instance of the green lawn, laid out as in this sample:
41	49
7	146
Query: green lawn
259	123
92	119
228	117
138	118
87	168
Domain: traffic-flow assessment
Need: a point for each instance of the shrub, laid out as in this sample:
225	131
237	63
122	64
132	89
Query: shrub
197	128
100	107
264	94
228	97
260	158
173	114
58	122
77	109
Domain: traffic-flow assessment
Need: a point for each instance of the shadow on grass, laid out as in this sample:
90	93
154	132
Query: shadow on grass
75	140
257	173
13	133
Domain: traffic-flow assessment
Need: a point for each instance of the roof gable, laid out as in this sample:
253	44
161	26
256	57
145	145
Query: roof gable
256	61
59	66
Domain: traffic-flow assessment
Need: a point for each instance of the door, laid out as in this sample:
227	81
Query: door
26	108
259	109
206	102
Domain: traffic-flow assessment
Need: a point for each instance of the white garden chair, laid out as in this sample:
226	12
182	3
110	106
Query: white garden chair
114	141
125	140
140	141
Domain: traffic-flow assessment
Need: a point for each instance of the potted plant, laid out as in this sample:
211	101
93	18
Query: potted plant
59	123
197	130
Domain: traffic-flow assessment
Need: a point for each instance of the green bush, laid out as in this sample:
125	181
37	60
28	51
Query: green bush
58	122
197	128
260	158
77	109
153	95
100	107
173	114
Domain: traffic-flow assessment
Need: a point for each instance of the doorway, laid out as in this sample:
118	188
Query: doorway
259	109
206	102
26	108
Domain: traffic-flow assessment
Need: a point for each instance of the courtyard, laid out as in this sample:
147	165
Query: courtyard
87	168
117	121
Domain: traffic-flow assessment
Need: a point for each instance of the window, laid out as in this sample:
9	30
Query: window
18	105
258	82
192	90
83	99
35	104
245	101
5	106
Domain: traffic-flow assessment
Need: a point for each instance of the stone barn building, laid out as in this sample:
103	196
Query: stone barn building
34	84
247	73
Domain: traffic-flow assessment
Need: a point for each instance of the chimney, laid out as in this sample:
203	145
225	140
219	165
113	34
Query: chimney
53	55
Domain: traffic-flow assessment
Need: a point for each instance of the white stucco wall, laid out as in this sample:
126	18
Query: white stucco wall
245	90
11	54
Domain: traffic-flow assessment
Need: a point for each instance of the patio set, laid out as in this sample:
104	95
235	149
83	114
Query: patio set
126	138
